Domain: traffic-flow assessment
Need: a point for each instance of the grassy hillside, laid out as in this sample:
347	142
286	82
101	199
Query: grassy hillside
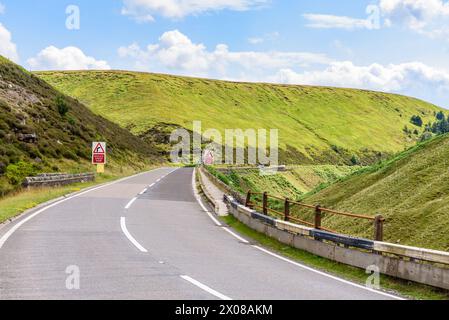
411	191
41	130
317	124
293	183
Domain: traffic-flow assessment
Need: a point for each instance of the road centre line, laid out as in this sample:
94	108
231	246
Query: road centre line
14	228
129	236
205	288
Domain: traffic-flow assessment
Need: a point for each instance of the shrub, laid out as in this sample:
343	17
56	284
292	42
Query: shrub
16	173
355	160
417	121
62	106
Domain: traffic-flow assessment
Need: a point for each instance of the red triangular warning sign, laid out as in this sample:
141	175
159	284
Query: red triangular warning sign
99	149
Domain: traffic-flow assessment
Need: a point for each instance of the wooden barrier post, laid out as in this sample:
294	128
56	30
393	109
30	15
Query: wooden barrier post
265	203
379	228
287	210
248	199
318	217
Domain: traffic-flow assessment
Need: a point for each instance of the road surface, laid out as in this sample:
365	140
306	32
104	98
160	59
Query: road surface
147	237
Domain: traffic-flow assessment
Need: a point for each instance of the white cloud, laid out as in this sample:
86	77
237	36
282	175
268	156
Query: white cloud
175	52
8	48
69	58
326	21
144	10
2	8
429	17
266	37
256	40
412	78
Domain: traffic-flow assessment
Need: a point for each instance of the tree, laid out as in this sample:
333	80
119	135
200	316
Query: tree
62	106
355	160
440	116
417	121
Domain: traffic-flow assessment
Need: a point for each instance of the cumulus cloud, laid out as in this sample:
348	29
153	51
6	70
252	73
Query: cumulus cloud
175	52
8	48
429	17
413	78
69	58
145	10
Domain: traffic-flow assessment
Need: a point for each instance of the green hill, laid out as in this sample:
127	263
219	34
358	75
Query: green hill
411	191
41	130
317	124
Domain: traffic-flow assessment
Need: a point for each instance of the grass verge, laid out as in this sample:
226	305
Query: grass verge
397	286
14	204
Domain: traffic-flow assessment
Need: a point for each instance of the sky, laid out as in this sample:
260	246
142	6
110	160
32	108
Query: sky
398	46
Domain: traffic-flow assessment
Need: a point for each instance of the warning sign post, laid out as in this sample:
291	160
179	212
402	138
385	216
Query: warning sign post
99	155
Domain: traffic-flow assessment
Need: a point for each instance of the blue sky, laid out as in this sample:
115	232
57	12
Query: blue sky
388	45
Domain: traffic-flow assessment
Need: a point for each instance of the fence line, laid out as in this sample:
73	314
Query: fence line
378	220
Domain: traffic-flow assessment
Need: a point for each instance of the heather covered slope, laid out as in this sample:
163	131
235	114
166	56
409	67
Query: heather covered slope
41	130
316	124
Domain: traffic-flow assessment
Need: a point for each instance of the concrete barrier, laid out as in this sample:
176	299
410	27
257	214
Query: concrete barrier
57	179
393	260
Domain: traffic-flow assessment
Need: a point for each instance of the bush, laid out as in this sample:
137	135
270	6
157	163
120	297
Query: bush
355	160
62	106
16	173
417	121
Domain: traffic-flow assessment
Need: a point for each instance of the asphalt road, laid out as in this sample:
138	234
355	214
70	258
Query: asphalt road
147	237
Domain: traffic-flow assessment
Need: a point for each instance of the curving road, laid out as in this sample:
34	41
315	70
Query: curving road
147	237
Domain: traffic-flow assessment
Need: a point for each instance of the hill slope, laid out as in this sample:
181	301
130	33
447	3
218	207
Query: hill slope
411	191
317	124
37	135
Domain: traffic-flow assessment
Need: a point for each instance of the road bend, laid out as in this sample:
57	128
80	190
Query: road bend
148	237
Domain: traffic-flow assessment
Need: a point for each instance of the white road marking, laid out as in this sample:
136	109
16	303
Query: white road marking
151	185
325	274
235	235
143	191
206	288
130	203
13	229
282	258
198	199
129	236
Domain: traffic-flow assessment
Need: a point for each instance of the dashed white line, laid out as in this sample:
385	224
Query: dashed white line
280	257
206	288
130	203
129	236
151	185
143	191
13	229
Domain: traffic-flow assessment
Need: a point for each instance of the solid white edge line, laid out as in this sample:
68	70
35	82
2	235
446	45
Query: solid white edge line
206	288
326	274
198	199
130	203
283	258
235	235
129	236
14	228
